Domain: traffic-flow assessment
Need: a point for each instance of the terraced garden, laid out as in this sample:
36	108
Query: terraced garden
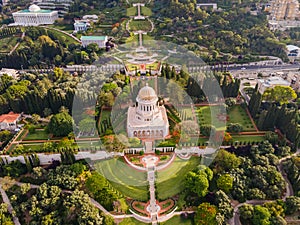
205	115
146	11
236	114
143	25
170	181
132	11
37	135
7	43
128	181
152	66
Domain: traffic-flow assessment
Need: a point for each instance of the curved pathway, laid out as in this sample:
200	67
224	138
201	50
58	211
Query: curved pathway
64	32
93	202
9	206
235	220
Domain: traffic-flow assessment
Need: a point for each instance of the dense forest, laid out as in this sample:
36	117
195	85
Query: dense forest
233	31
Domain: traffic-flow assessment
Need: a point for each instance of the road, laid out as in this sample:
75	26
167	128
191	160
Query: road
243	71
46	159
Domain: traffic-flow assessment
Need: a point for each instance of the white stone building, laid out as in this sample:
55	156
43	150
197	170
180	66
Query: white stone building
271	82
34	16
99	40
147	120
80	25
92	17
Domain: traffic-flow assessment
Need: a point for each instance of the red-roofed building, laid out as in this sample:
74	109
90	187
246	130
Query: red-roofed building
9	121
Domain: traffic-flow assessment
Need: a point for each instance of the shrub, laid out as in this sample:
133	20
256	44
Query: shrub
234	128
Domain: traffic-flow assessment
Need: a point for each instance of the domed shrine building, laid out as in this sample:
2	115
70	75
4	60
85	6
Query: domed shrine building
147	119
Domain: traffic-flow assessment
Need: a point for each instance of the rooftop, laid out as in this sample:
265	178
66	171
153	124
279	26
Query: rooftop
93	38
39	11
272	81
80	22
9	118
292	47
147	93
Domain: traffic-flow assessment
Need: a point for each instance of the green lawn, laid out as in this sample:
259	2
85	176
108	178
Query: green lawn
82	145
37	135
128	181
205	115
170	181
31	148
236	114
132	11
136	25
7	43
68	39
133	40
176	220
240	139
247	138
131	221
65	27
146	11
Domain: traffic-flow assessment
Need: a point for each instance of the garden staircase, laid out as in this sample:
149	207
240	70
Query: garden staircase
148	147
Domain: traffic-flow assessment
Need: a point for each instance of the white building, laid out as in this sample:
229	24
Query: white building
9	121
93	17
62	6
147	120
34	16
80	25
293	52
10	72
214	6
271	82
99	40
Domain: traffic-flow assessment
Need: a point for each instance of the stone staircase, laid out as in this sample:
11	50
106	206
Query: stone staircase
148	147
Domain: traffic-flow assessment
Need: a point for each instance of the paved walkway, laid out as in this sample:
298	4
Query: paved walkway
139	16
66	33
153	207
10	208
17	45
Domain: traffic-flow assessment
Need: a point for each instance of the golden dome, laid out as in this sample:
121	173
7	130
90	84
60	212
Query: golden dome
147	94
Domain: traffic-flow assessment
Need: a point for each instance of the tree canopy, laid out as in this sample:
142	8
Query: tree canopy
60	124
281	94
